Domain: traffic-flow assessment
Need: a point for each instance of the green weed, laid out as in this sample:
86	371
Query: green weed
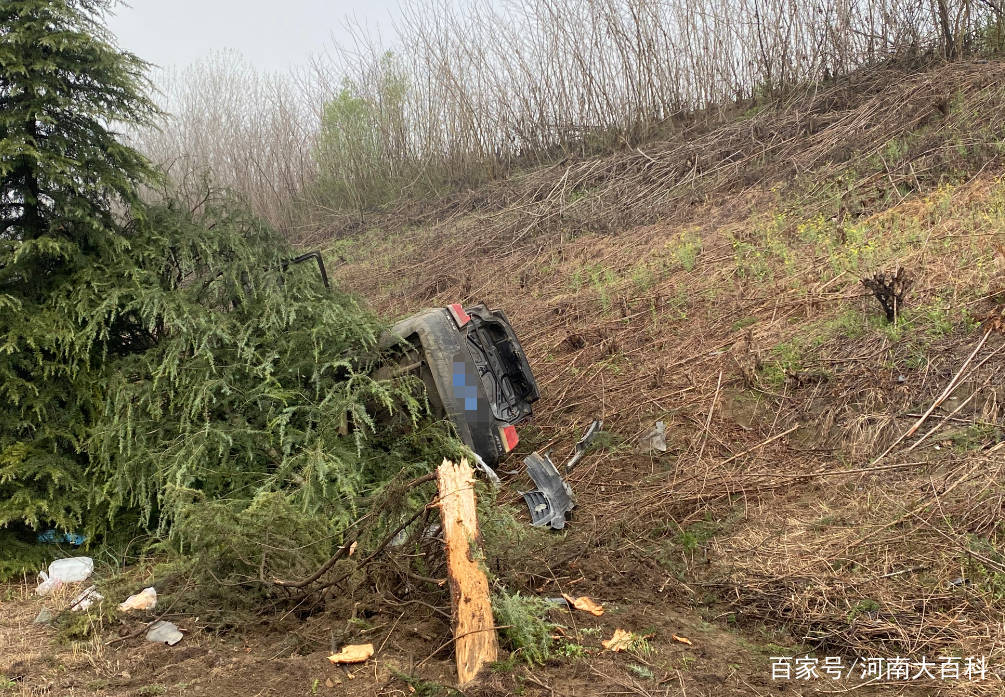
524	627
985	577
695	536
641	671
863	607
686	661
642	278
975	437
743	323
825	522
568	649
425	688
686	250
786	358
602	279
640	646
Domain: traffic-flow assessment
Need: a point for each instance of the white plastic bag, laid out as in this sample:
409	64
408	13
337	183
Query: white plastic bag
72	569
47	585
69	570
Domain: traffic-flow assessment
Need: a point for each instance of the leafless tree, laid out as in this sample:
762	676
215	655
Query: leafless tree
476	88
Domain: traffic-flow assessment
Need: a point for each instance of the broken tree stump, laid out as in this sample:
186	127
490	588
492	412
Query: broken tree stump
890	291
475	640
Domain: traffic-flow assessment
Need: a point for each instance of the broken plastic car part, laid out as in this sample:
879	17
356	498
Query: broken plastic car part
654	441
584	444
553	497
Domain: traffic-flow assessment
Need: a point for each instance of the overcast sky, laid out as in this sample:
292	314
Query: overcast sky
272	34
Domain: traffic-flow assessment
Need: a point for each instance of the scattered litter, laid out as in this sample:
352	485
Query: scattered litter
489	473
146	599
86	599
43	616
352	653
558	601
584	444
654	441
54	536
164	633
682	639
47	585
959	581
585	604
553	498
621	641
70	570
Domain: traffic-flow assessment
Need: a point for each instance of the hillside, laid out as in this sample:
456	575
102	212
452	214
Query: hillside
713	282
710	279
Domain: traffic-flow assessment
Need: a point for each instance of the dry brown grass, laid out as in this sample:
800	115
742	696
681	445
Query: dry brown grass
674	320
472	91
938	122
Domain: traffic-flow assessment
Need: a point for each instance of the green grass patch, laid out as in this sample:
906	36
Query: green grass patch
863	607
985	577
974	437
743	323
524	626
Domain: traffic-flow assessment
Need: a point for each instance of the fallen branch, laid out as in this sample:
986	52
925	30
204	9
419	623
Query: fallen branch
946	393
348	546
946	418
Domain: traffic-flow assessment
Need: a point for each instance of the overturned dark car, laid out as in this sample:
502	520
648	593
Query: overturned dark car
475	372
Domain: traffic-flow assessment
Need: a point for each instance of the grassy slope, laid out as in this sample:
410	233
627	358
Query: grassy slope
735	313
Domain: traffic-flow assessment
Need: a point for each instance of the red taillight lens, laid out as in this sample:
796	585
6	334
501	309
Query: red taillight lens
459	315
509	437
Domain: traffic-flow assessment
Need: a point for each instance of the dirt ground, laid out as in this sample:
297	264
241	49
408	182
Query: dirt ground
258	663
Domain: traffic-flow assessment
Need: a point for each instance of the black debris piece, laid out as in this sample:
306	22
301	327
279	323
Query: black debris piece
553	497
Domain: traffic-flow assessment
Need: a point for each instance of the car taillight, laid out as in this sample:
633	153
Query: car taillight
459	315
509	437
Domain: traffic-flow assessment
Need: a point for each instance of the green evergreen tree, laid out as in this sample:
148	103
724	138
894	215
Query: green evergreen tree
63	178
157	362
62	84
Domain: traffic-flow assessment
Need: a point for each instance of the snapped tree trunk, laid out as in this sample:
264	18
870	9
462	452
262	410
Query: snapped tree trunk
475	640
